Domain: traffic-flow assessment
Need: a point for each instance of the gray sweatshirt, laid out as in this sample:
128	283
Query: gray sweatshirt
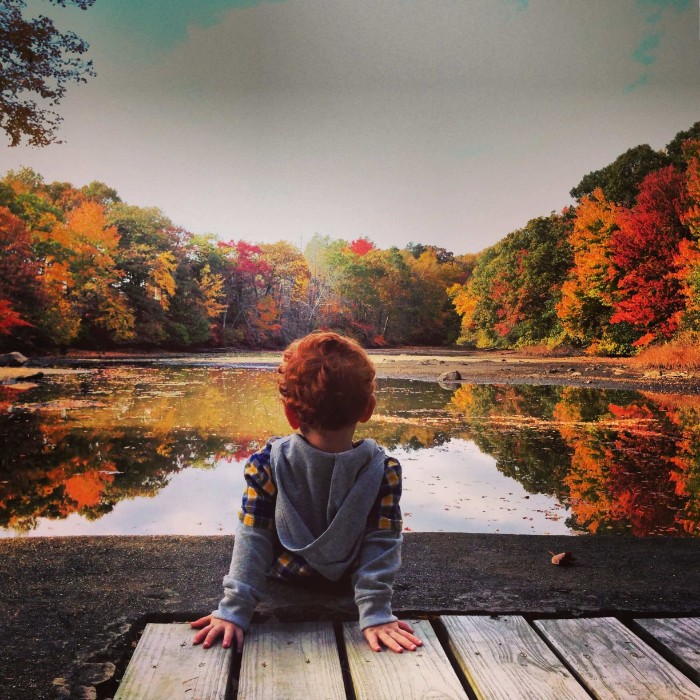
321	509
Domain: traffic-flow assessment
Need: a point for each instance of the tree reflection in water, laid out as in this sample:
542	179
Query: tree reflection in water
623	461
620	461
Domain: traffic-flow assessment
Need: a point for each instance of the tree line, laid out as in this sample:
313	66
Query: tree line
618	271
81	268
615	273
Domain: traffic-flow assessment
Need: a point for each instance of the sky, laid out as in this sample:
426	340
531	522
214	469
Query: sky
445	122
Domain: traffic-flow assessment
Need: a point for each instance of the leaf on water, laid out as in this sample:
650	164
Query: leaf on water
562	559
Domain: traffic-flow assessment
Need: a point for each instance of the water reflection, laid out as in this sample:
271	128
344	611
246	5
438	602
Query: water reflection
157	450
623	461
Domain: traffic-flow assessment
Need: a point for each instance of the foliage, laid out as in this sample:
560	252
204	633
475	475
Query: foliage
676	148
83	268
589	293
511	298
38	61
645	253
618	272
630	277
620	180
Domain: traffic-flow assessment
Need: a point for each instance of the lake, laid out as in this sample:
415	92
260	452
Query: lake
155	450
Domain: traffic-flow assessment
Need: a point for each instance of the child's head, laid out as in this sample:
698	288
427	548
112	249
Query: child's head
327	381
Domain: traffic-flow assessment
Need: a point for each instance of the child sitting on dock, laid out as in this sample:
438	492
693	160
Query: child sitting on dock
318	505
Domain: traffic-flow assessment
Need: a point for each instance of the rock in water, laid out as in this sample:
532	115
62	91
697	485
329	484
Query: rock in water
13	359
450	376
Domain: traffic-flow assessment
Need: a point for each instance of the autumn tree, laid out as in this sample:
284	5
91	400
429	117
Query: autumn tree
19	288
244	273
95	280
321	302
589	293
55	320
285	284
646	248
688	258
149	248
433	318
38	62
513	292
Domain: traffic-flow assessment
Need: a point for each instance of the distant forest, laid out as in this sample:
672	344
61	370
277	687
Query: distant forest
618	271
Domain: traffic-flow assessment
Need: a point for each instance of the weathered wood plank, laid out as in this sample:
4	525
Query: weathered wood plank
167	665
424	673
290	661
504	659
681	638
614	663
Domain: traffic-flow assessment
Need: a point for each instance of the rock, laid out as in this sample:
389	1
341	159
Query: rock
450	376
12	359
96	673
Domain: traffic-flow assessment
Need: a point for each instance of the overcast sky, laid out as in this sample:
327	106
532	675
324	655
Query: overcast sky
450	122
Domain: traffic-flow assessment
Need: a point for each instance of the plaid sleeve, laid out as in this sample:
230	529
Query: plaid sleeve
258	504
386	511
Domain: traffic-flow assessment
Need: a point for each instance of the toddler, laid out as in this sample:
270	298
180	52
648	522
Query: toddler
318	506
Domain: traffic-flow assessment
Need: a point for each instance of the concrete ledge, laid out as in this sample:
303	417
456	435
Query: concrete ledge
70	608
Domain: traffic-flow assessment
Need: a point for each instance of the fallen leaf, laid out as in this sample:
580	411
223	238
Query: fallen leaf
562	559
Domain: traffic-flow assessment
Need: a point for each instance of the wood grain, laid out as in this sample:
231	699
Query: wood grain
681	638
167	665
502	657
614	663
291	661
411	675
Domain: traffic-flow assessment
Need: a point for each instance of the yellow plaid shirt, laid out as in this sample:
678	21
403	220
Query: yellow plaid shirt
258	510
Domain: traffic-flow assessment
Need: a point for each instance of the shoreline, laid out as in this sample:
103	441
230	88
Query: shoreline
426	364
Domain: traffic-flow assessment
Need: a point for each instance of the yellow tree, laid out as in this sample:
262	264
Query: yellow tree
92	276
287	280
212	286
588	293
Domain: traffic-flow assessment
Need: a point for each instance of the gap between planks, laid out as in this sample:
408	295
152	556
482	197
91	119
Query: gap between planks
614	663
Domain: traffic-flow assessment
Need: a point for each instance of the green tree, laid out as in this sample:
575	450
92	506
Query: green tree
675	147
149	250
621	179
512	295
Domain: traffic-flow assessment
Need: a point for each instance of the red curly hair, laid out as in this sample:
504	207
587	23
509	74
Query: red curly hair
327	380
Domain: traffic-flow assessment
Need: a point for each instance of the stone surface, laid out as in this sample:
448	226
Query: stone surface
12	359
450	376
69	607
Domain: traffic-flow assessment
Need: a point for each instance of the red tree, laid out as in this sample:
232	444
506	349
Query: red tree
18	272
361	246
645	252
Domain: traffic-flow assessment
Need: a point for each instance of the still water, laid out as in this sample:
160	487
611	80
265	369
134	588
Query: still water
160	450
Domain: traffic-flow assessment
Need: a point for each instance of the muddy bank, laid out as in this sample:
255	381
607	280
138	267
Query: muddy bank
428	364
510	367
71	608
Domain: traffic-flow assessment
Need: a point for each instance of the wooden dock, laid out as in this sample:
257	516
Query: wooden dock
505	657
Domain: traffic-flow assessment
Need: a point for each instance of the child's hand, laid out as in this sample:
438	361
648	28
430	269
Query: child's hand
397	636
211	628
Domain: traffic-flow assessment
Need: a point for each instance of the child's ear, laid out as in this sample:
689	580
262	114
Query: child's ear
371	405
292	418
